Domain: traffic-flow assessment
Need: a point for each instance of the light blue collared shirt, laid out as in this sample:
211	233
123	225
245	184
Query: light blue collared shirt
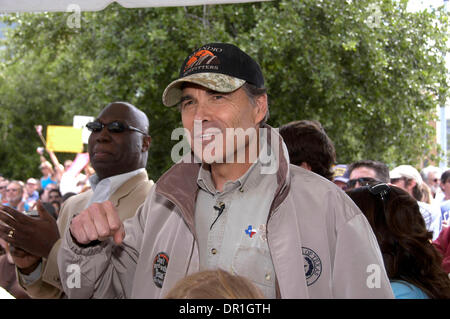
103	189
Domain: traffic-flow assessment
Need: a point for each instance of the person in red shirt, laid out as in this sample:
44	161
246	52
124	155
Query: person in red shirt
443	246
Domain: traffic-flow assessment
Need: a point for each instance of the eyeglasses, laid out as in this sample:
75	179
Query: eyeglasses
113	127
12	190
362	181
380	189
2	187
397	180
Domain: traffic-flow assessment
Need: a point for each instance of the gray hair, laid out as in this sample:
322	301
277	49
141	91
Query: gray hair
253	92
430	169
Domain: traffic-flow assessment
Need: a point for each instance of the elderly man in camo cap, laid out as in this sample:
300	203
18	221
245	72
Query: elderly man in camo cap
233	202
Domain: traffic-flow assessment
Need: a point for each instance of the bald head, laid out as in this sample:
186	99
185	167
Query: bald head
138	118
113	153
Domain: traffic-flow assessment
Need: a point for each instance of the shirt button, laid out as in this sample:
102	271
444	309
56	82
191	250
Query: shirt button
213	251
267	277
241	189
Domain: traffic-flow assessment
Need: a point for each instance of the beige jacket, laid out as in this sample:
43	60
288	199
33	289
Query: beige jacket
321	244
127	198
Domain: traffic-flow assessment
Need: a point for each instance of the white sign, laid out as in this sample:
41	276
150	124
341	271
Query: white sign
80	121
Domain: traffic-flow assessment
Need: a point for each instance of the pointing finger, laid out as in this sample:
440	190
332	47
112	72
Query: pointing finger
119	235
112	216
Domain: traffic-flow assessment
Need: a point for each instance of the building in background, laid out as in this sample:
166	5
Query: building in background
442	126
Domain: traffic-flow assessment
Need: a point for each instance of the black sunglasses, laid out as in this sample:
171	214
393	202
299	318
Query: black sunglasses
362	181
113	127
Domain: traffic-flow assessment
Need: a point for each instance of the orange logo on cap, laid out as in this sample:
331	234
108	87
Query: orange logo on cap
200	57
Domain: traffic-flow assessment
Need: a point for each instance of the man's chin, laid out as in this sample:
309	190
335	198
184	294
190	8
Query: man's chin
103	165
208	159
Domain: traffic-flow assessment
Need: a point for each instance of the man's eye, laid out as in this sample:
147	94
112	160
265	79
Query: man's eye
186	103
218	97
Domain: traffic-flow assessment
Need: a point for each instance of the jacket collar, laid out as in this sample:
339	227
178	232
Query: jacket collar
283	177
127	187
179	183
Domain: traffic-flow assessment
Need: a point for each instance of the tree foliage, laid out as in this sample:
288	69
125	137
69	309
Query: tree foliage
368	70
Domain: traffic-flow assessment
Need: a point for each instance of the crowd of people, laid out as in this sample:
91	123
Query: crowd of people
418	224
222	228
23	196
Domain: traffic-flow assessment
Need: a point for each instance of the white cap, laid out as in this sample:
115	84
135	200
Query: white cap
406	171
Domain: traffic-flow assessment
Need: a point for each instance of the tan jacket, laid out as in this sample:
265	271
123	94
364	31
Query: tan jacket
127	198
321	244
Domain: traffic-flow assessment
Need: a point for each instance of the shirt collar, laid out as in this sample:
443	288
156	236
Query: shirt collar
114	181
250	179
205	182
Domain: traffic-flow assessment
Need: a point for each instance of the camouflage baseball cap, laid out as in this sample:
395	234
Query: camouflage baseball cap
221	67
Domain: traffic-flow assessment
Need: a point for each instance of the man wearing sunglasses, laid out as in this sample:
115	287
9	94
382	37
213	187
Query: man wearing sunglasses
118	150
367	172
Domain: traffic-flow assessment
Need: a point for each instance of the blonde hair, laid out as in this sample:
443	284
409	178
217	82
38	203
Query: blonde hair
427	196
214	284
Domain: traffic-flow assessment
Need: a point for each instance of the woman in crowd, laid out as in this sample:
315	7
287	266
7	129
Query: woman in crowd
442	244
412	263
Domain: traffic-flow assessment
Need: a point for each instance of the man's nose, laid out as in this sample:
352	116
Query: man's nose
103	135
202	111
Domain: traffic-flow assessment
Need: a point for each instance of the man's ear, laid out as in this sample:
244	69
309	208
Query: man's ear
146	141
411	185
260	108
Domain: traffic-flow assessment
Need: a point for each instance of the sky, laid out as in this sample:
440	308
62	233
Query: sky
416	5
2	25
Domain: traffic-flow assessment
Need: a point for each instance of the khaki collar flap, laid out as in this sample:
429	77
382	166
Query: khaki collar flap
126	188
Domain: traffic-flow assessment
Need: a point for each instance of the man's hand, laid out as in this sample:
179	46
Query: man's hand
97	222
35	235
